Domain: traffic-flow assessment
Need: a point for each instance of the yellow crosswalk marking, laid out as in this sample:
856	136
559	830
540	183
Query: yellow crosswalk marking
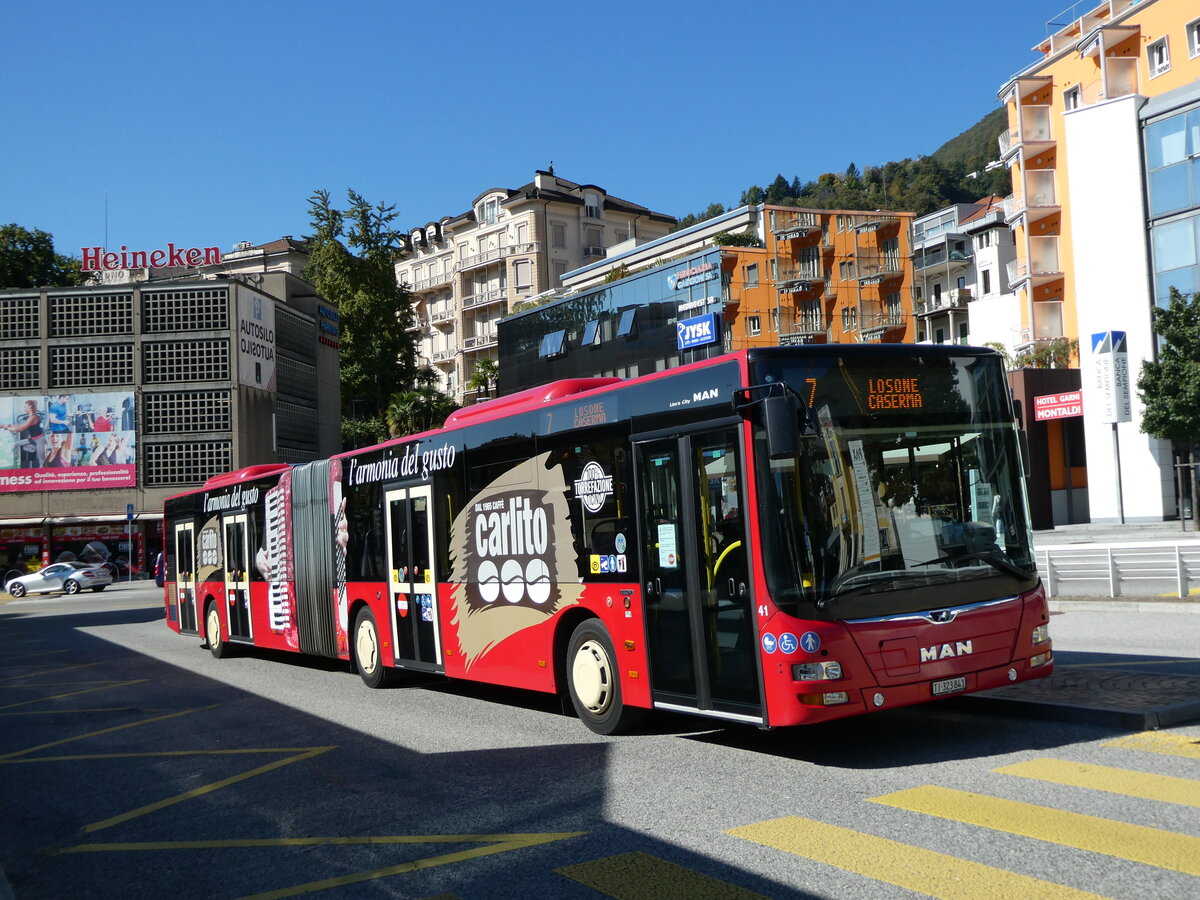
640	876
1137	843
1185	745
1166	788
913	868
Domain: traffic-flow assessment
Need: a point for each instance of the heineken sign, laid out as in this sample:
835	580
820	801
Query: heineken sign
97	259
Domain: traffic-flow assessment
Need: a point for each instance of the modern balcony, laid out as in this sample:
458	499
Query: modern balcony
804	327
805	277
875	223
1039	201
790	226
957	298
1040	266
954	259
870	269
1033	135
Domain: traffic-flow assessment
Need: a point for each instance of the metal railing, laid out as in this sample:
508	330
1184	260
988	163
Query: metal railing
940	256
495	254
484	297
955	298
1139	571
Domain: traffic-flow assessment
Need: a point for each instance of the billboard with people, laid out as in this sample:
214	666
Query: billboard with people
65	442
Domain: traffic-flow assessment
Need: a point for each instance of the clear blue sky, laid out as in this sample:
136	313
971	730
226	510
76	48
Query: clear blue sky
213	122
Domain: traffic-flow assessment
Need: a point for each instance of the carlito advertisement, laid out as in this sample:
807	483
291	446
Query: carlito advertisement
68	442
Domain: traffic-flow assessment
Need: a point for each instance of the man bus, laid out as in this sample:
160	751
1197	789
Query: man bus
776	537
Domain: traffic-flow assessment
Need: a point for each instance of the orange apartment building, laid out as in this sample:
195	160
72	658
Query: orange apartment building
1103	141
832	276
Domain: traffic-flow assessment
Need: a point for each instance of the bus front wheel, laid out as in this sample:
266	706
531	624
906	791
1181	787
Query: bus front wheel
367	657
593	681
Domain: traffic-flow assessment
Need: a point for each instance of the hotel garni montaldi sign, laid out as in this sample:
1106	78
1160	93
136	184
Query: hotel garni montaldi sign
97	259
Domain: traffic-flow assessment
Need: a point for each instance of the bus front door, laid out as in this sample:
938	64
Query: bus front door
412	587
185	577
699	612
237	578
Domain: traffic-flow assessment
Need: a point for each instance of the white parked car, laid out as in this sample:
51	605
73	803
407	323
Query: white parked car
71	577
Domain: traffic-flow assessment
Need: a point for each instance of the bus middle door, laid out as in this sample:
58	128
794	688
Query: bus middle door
412	587
237	578
699	612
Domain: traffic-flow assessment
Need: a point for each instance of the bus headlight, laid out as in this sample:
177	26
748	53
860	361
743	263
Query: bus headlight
1041	634
817	671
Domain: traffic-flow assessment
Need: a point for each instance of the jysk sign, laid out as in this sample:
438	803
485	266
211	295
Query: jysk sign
697	332
1111	363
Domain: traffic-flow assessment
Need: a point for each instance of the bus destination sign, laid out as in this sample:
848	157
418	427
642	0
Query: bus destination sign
894	393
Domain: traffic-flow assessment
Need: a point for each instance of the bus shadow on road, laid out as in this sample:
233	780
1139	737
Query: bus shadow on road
131	776
917	735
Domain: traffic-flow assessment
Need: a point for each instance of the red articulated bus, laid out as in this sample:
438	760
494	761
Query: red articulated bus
777	537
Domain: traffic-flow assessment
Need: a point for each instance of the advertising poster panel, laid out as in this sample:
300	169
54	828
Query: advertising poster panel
67	442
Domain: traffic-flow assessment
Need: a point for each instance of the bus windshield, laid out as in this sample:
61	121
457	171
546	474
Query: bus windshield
910	480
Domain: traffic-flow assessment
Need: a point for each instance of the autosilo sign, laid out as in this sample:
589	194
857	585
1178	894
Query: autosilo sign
256	340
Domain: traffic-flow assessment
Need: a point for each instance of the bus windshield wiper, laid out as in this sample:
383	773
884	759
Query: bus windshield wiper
889	580
991	557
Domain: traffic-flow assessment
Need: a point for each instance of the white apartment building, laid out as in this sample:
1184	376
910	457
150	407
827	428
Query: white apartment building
469	270
1103	142
961	256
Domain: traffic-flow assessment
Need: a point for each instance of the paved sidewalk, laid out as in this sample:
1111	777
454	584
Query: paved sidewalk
1115	532
1096	695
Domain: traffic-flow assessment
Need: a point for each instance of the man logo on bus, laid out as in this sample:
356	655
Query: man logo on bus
510	567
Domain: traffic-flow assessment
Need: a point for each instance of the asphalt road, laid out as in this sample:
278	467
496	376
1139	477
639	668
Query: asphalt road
136	765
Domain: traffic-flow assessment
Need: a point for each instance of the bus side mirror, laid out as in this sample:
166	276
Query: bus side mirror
782	424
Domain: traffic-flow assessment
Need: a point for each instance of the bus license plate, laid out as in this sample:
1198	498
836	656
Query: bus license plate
949	686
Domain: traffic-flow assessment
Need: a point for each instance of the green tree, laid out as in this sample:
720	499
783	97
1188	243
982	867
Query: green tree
778	191
486	374
28	260
1169	386
617	273
352	264
421	409
752	196
739	239
1053	354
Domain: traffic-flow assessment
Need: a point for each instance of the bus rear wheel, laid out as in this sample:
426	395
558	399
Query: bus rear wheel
367	656
212	632
593	682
